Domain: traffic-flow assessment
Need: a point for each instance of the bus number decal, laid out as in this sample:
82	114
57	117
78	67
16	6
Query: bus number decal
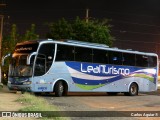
42	88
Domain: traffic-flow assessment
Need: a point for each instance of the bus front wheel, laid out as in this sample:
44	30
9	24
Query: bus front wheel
59	89
133	90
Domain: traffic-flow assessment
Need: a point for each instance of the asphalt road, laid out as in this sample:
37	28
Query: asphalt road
99	103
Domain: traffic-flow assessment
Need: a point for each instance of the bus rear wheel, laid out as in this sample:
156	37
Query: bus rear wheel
133	90
59	89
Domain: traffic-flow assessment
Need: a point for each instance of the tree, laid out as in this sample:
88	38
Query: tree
8	44
92	31
30	34
10	40
60	30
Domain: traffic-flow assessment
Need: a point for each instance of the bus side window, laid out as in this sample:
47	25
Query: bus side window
152	60
83	54
141	60
47	49
65	53
115	58
129	59
100	56
40	68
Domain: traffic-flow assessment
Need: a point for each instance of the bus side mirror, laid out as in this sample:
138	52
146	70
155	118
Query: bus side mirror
4	57
29	58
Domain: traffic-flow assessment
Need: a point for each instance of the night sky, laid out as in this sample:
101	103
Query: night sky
135	23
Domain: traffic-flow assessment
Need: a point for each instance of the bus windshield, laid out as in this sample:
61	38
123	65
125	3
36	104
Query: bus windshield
18	66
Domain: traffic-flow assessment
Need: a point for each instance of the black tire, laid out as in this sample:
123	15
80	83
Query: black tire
59	89
65	90
133	90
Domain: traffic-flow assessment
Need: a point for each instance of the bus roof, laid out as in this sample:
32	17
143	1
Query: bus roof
85	44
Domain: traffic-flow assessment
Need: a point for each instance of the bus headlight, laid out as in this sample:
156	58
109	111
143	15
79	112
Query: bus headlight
27	83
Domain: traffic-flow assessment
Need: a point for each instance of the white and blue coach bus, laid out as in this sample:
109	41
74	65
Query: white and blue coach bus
74	66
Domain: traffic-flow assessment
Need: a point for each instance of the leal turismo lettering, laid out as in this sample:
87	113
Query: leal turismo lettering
105	70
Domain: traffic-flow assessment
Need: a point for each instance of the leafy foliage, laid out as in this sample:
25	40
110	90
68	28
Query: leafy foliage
92	31
30	34
60	30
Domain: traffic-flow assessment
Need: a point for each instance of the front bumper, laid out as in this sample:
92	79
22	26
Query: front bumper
19	87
